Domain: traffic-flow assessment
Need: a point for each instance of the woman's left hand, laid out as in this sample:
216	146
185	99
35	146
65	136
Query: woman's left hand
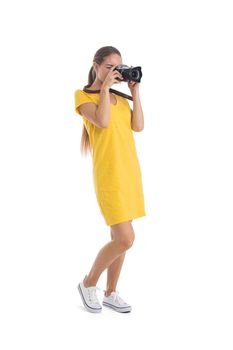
133	86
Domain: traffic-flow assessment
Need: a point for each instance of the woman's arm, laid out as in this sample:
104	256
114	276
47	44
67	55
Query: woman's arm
103	110
137	118
97	114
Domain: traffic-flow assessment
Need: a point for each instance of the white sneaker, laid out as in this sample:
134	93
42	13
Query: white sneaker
115	302
89	297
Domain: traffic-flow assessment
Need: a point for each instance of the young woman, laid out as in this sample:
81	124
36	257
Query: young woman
108	122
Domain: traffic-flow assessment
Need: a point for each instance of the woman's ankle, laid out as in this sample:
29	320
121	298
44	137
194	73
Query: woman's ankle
88	283
107	292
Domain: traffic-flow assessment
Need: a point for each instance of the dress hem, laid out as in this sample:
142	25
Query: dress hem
125	219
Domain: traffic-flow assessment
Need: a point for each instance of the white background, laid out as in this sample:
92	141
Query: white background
178	274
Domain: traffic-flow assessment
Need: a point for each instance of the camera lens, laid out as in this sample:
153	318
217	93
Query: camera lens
135	74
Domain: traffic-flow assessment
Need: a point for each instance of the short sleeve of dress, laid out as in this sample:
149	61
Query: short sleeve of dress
81	97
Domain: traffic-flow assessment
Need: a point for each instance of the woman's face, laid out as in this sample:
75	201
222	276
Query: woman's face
102	69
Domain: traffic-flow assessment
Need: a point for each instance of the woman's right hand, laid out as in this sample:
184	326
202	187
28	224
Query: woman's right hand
111	78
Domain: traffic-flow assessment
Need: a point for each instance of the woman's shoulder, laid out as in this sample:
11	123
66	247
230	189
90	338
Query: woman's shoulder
81	97
81	91
80	94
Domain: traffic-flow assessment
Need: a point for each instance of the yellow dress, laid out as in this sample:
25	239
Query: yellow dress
116	170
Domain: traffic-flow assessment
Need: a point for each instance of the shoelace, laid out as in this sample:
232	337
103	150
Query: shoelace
92	294
117	298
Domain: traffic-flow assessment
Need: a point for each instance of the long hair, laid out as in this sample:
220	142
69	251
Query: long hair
99	57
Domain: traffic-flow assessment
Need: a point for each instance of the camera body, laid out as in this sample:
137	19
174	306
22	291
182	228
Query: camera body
129	73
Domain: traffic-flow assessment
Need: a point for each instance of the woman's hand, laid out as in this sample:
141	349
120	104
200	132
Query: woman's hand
134	87
111	78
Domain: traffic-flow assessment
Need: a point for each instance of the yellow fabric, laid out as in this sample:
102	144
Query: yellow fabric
116	170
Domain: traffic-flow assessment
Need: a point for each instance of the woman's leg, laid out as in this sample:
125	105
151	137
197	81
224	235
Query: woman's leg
122	239
114	270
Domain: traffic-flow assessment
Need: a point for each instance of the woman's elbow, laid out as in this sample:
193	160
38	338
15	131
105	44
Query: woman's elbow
138	129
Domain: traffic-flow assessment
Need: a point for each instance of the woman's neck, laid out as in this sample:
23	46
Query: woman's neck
96	85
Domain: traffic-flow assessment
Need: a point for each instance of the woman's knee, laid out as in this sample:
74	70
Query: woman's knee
123	235
127	241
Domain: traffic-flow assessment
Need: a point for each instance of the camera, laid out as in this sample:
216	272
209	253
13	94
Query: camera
129	73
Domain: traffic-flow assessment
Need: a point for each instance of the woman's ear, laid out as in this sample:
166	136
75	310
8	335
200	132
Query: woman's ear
95	66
